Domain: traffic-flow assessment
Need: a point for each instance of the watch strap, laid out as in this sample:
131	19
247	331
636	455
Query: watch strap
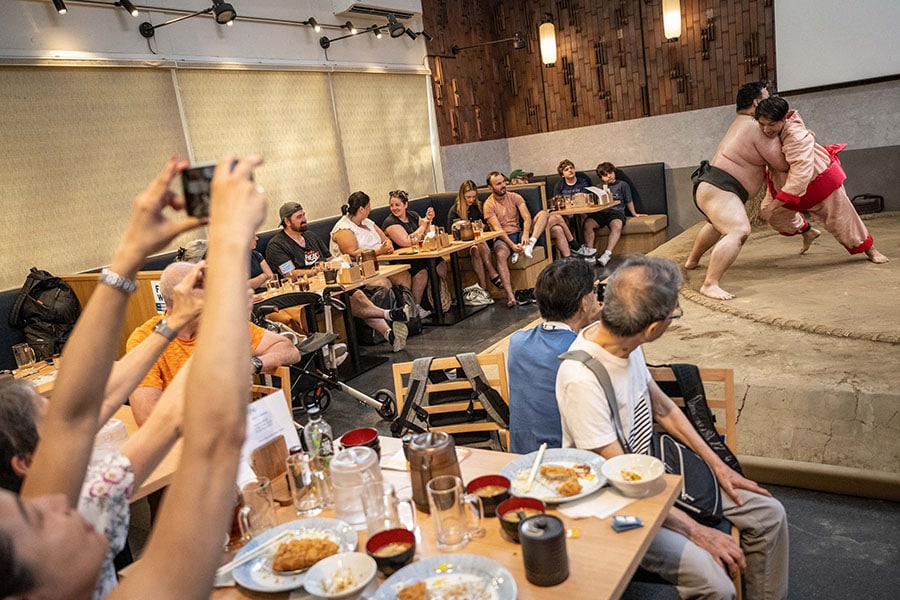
257	364
116	281
163	329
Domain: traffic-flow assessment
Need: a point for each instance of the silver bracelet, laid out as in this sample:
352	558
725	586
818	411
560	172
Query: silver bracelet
116	281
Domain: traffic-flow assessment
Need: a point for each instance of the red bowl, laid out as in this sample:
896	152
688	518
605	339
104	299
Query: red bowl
511	528
365	436
389	564
490	502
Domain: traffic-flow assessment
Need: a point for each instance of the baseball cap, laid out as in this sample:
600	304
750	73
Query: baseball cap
287	209
520	173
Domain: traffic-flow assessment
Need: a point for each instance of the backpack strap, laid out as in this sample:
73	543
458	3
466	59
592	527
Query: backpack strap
602	376
415	396
496	408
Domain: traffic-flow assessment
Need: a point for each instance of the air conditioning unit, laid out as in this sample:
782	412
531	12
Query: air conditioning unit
402	9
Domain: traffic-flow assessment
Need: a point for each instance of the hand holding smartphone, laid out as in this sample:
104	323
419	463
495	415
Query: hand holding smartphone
196	181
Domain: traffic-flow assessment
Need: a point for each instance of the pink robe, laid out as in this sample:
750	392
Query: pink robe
814	184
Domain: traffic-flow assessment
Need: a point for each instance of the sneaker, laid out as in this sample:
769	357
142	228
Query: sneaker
470	298
604	258
525	296
397	335
585	251
485	295
423	312
514	258
399	315
529	247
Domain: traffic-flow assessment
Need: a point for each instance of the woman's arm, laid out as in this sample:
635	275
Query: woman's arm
261	279
200	499
347	242
61	459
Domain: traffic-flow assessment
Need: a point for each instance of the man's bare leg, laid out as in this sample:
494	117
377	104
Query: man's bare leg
706	239
537	226
727	214
558	233
587	231
502	251
809	236
876	257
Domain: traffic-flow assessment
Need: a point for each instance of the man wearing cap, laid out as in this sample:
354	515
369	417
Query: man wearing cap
518	176
307	253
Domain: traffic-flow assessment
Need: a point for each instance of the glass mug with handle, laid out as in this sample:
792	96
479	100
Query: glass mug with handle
383	509
24	355
258	511
457	516
304	487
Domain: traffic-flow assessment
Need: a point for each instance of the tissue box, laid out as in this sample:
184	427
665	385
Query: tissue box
350	274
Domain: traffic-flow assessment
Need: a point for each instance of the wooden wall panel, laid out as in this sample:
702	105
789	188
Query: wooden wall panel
613	63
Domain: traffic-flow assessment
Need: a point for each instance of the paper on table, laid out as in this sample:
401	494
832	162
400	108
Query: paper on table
267	418
599	193
397	461
601	506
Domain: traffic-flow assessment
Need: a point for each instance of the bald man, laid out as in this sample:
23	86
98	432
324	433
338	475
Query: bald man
723	185
269	349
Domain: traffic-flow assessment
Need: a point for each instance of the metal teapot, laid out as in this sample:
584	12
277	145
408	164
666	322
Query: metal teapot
430	455
466	232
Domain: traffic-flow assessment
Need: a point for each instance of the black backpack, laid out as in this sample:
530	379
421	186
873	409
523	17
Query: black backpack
47	308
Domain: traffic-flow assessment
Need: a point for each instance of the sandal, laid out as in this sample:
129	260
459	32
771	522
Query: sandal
497	283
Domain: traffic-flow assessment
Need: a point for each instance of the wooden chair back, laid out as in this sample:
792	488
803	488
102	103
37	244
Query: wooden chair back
494	367
268	383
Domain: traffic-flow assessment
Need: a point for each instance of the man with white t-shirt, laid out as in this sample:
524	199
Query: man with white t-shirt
639	304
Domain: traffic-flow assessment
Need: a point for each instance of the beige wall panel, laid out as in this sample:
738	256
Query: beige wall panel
384	124
76	145
285	116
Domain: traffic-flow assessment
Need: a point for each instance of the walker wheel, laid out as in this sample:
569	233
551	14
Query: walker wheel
317	396
388	408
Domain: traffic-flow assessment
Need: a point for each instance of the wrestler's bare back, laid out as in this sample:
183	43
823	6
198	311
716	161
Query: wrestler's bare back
744	153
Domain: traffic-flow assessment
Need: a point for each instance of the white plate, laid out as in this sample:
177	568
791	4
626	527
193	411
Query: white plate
258	575
477	578
518	470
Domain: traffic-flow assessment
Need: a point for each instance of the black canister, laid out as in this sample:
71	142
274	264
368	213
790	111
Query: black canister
543	539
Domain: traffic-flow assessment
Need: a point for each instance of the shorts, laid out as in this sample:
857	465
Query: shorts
516	238
415	266
605	217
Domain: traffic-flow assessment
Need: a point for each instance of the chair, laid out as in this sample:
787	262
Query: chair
719	387
268	383
494	367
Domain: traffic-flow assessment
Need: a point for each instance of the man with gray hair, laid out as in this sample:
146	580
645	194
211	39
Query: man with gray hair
639	305
269	349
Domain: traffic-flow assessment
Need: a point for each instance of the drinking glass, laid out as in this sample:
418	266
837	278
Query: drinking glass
382	509
258	511
457	516
304	488
477	228
272	286
24	355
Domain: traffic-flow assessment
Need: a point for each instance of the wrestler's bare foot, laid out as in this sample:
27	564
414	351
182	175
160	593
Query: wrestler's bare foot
690	264
715	292
808	238
876	257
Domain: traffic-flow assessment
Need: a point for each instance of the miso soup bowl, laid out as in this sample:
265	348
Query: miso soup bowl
389	564
511	528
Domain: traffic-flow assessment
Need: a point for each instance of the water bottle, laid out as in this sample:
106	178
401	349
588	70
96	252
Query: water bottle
318	437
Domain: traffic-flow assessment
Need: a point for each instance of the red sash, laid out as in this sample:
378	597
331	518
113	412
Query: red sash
819	188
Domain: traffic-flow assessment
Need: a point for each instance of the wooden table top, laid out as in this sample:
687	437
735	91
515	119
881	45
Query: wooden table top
455	246
583	210
42	375
317	283
601	562
162	474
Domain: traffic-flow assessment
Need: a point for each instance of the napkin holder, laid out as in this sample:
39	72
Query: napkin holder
368	269
444	240
350	274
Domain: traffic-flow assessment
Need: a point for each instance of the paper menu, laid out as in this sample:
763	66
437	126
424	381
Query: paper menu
267	418
600	193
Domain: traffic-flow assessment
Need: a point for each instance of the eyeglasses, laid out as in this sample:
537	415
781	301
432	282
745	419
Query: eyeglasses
677	313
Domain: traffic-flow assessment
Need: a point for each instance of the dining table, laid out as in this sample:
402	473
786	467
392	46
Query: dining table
601	561
357	363
433	256
573	210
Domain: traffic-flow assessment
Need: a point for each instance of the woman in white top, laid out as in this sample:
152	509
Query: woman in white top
355	232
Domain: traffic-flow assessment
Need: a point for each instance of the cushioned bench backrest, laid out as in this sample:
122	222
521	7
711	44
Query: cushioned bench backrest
10	336
647	181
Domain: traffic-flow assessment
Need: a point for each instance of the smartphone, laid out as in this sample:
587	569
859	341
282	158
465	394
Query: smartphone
196	180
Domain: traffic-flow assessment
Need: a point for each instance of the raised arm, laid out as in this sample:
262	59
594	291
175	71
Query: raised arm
200	499
59	464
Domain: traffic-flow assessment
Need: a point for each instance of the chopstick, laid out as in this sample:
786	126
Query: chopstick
259	550
534	467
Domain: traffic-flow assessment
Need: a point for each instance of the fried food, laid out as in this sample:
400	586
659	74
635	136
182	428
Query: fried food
629	475
570	487
582	470
557	472
416	591
297	554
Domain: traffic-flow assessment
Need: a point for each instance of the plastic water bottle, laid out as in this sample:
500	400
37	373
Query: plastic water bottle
319	443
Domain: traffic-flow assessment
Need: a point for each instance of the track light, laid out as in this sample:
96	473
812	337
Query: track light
224	12
314	24
349	26
394	27
60	6
411	33
127	5
376	31
518	40
426	35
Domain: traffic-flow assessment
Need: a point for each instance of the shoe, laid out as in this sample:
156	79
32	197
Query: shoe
585	251
524	297
423	312
496	282
529	248
485	295
514	258
399	315
604	258
397	335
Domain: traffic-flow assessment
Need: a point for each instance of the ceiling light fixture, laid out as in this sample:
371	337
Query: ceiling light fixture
314	24
426	35
349	26
547	34
224	12
224	15
128	6
376	31
518	41
671	10
60	6
394	27
411	33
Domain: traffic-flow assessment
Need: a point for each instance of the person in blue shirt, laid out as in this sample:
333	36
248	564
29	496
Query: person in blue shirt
566	294
572	183
613	217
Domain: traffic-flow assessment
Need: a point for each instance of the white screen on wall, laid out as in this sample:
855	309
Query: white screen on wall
829	42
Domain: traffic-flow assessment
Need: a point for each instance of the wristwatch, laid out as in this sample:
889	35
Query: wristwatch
163	329
117	282
257	364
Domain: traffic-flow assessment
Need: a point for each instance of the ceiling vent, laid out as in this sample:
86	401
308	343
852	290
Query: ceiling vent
402	9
